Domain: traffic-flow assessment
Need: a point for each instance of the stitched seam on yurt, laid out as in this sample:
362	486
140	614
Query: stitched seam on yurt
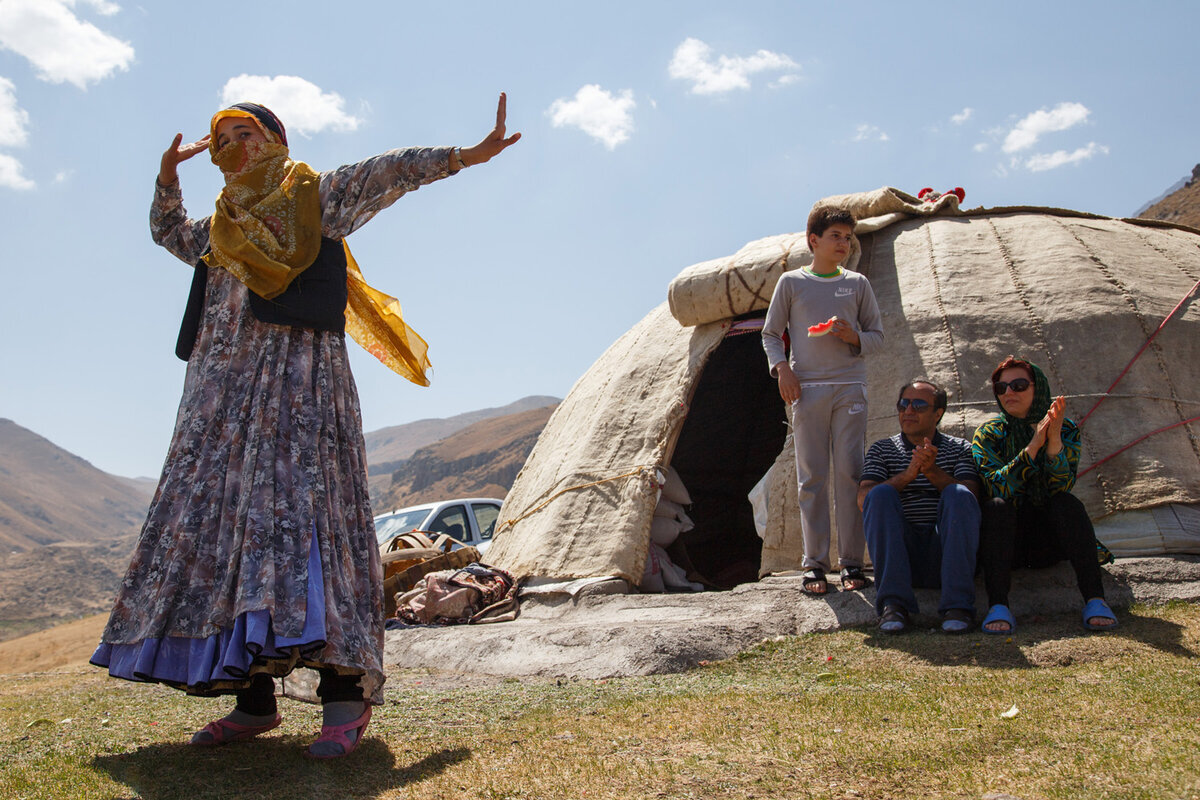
1036	324
1168	256
937	291
1147	329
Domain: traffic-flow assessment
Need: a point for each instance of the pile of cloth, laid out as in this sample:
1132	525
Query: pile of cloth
475	594
670	519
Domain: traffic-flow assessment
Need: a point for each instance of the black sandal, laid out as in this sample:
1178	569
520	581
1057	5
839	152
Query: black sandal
957	621
854	574
894	619
811	579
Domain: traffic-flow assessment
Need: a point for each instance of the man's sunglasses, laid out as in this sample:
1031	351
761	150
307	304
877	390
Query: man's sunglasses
1019	385
918	405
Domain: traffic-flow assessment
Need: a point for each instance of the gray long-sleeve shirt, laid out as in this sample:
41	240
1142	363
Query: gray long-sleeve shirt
802	299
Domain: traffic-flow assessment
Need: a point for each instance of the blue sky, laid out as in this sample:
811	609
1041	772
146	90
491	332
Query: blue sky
656	135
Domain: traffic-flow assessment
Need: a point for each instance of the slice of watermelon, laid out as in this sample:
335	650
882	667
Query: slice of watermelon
822	328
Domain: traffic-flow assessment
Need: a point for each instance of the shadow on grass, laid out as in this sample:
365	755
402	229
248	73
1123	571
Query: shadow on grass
1040	641
269	768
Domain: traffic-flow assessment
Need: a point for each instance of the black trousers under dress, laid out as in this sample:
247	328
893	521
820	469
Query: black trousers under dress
1037	536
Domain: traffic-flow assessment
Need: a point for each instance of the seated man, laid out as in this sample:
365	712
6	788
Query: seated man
918	494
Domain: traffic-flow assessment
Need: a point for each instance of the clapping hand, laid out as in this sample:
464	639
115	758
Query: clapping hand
1048	433
924	457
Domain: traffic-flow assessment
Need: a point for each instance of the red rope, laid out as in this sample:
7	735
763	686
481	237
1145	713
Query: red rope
1138	355
1135	441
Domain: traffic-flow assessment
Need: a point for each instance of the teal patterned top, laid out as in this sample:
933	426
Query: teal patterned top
1022	479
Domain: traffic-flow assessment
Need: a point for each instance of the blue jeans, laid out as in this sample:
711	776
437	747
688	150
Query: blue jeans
923	556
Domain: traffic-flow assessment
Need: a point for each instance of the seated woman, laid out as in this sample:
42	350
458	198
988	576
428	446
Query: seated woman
1027	458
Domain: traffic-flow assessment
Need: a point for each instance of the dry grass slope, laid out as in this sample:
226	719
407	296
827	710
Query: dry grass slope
1181	206
48	495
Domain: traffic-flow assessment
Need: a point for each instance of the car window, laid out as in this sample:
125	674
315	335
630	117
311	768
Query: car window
485	517
387	527
452	521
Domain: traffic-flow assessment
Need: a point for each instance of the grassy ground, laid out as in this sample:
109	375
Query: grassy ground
844	715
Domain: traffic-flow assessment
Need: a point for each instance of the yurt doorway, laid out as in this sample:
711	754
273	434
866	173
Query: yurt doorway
734	430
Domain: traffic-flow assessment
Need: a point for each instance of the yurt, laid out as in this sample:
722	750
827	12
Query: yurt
1105	306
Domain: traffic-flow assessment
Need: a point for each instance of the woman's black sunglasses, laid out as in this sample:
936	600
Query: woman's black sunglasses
917	404
1019	385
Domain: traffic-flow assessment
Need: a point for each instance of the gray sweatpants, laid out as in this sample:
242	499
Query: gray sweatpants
830	419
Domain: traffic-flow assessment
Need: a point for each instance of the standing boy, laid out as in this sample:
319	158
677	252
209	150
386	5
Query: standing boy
825	381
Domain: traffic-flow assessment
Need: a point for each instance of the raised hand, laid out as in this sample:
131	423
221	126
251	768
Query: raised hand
175	155
495	142
1053	422
928	456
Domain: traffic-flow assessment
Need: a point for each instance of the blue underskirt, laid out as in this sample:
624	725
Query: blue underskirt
204	665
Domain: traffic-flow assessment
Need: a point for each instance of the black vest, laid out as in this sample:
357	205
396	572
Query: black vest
316	299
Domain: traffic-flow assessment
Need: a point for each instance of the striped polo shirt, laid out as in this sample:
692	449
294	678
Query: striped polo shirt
891	456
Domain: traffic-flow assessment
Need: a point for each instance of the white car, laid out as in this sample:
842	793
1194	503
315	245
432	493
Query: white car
470	520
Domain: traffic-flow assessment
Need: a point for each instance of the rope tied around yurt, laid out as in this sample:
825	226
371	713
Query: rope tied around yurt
1108	392
508	523
1138	354
1141	438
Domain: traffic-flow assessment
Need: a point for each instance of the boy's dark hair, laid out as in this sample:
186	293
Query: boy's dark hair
940	395
822	217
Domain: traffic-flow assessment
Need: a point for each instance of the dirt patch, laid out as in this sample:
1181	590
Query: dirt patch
1065	652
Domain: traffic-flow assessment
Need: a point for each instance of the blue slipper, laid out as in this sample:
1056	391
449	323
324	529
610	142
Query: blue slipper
1096	607
999	613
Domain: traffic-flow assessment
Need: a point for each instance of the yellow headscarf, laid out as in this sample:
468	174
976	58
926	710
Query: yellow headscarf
267	230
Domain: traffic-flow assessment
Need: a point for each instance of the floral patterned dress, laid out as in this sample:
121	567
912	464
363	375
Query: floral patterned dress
258	553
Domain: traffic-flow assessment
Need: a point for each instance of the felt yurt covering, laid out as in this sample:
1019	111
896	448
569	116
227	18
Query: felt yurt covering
1076	293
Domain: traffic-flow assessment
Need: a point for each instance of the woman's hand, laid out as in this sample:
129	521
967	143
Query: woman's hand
494	143
1048	433
1053	422
175	155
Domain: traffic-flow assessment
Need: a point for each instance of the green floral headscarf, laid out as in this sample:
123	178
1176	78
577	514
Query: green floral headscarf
1021	429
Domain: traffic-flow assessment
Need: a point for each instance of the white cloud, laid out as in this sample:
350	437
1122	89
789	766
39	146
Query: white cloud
596	112
1044	161
103	7
63	175
10	174
693	62
1026	132
784	80
301	105
13	119
866	132
962	116
62	47
980	147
